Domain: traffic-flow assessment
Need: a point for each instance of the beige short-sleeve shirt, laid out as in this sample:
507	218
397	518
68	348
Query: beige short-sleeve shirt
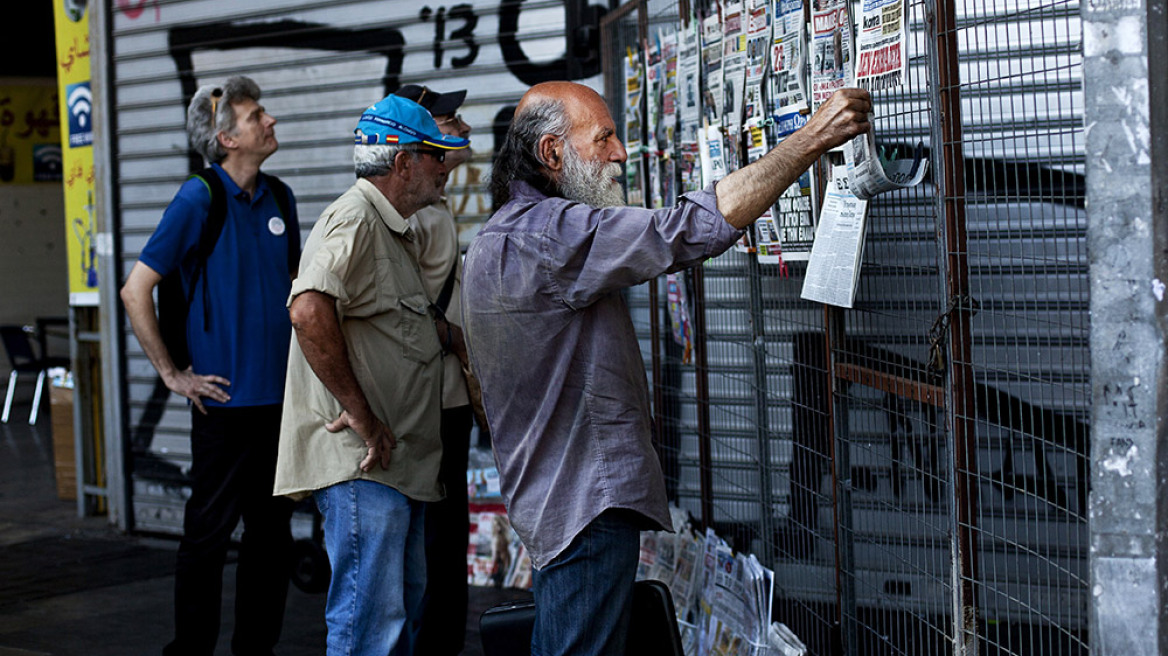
361	252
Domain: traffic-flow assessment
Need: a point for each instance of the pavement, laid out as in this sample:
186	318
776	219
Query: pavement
73	585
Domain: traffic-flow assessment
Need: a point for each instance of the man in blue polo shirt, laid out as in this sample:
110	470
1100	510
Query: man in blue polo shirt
238	333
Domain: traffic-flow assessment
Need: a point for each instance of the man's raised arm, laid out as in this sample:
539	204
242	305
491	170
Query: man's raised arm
746	193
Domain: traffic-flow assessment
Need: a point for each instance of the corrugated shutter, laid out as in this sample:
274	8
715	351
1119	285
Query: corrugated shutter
319	64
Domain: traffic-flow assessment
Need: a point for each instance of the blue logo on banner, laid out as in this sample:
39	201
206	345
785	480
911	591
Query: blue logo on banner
80	103
46	162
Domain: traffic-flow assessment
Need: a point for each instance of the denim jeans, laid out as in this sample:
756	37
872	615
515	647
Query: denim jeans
583	597
375	540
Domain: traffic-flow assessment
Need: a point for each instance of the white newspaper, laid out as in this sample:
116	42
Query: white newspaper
654	81
712	63
794	220
788	59
880	49
690	90
831	44
784	642
634	90
872	172
713	161
733	78
834	268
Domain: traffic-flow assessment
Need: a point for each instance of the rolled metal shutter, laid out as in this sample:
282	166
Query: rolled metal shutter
319	64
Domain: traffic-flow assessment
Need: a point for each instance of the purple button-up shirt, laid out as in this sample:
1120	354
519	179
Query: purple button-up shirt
554	349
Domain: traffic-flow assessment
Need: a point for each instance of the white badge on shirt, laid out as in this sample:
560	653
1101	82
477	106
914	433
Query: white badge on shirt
276	226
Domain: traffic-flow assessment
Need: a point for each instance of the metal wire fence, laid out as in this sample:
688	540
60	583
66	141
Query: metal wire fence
914	468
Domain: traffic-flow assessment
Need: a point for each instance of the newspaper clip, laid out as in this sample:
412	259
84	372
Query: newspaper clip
870	172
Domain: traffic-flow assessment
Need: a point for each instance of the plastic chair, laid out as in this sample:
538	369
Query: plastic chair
24	360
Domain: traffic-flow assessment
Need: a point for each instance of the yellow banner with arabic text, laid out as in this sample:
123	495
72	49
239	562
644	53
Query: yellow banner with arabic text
30	143
75	107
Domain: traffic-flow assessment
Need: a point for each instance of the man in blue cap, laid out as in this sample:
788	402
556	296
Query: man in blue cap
360	430
443	630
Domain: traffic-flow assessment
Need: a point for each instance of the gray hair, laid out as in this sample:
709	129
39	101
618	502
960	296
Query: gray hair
518	157
371	161
210	113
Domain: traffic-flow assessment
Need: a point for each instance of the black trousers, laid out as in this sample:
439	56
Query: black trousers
232	471
443	629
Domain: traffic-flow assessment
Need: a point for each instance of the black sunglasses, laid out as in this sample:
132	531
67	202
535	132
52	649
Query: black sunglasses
439	155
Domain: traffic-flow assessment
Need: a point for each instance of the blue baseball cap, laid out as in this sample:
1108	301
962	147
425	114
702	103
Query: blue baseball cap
396	120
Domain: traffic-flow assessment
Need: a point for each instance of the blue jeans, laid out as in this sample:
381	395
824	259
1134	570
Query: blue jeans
375	540
583	597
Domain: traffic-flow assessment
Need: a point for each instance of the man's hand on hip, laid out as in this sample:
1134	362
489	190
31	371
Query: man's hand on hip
379	440
195	386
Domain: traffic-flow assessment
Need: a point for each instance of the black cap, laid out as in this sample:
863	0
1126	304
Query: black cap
438	104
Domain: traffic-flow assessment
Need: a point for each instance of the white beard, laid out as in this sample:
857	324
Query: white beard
591	183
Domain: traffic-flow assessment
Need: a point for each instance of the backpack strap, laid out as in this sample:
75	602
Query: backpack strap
284	201
443	301
216	217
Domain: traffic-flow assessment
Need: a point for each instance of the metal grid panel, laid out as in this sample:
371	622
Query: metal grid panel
318	64
914	469
1021	106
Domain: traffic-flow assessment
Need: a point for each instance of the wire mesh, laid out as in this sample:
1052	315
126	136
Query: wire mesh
914	469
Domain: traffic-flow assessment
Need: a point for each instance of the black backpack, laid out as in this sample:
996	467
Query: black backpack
173	304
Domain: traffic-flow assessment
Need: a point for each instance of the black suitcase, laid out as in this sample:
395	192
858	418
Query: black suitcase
506	629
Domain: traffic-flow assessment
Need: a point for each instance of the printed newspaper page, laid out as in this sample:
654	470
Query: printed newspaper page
834	268
654	80
831	43
880	54
788	60
634	89
712	61
870	172
794	221
688	72
733	79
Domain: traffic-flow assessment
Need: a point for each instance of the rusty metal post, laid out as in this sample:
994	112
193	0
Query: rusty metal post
841	487
960	405
702	390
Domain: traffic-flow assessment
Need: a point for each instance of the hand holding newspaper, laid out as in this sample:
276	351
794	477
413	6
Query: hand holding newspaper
870	172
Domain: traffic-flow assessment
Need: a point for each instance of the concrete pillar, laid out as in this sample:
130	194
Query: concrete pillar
1124	80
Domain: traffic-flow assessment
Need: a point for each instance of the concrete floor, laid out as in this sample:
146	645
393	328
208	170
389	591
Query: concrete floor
76	586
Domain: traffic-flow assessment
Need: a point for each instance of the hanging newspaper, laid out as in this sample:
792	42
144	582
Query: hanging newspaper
831	43
713	163
654	72
689	111
667	130
712	61
794	220
733	79
634	176
872	172
787	64
690	101
833	271
679	320
880	60
758	45
754	113
767	244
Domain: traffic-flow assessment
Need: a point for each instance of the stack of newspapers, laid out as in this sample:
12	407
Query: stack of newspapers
723	599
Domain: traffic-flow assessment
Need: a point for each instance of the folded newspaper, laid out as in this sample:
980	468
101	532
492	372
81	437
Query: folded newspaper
871	171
